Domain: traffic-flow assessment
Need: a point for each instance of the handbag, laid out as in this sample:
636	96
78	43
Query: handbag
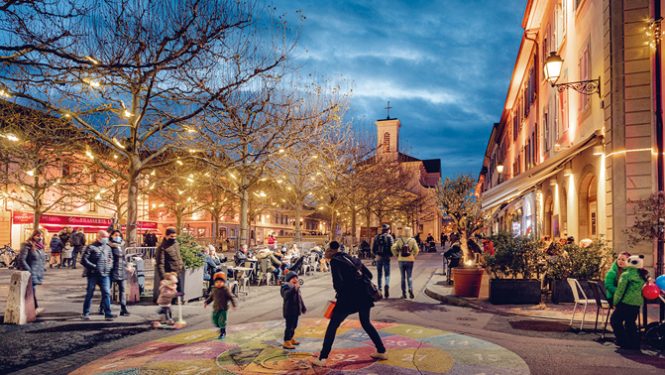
372	290
329	309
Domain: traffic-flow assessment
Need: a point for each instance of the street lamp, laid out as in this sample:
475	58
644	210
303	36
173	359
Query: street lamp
552	71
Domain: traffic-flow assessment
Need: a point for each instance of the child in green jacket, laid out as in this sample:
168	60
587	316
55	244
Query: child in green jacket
627	301
612	277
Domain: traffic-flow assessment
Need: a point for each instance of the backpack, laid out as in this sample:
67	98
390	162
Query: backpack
373	293
405	249
384	246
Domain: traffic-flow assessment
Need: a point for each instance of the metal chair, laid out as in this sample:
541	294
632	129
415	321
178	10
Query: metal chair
577	290
601	303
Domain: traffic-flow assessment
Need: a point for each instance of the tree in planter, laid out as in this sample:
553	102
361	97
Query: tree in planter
190	251
582	263
516	257
457	200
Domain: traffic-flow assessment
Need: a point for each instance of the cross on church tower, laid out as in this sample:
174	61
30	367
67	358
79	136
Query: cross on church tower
388	108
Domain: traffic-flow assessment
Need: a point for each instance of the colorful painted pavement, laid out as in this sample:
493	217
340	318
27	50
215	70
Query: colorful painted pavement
256	349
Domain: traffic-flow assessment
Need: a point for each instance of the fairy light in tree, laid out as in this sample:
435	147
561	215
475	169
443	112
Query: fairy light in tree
10	137
92	83
30	173
153	172
5	94
117	143
92	60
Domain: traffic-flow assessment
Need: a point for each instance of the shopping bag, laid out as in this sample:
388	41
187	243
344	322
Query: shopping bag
329	309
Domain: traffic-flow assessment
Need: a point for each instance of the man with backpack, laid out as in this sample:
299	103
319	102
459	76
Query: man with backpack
78	242
406	249
382	251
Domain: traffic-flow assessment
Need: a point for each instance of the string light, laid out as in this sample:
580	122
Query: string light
5	94
127	114
92	83
117	143
92	60
10	137
90	155
30	173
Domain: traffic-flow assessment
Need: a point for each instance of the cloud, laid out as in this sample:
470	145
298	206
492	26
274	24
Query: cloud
444	65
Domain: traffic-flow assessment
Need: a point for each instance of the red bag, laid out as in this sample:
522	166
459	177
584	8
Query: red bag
329	309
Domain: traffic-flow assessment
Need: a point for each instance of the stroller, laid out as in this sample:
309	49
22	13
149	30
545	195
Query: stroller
294	267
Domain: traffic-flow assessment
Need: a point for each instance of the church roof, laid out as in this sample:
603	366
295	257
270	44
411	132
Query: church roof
432	165
406	158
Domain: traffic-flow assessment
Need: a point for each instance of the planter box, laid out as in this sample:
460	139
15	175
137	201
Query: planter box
514	292
192	284
561	292
467	281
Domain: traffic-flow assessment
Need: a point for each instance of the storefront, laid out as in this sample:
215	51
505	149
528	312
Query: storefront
21	227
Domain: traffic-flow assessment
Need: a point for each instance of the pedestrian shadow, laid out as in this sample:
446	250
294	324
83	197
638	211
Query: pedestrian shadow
644	357
411	305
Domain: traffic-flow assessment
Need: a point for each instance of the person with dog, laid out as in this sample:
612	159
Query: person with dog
406	248
382	251
350	300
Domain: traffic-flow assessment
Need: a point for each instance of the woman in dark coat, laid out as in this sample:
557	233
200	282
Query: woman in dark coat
31	259
351	298
118	272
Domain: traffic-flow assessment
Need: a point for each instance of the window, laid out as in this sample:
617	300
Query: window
559	23
516	126
386	142
585	73
546	131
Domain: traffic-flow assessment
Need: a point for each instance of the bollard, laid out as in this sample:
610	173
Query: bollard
20	301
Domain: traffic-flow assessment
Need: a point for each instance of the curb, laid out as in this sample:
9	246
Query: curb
452	300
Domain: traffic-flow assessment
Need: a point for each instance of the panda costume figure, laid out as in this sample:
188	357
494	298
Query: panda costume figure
627	302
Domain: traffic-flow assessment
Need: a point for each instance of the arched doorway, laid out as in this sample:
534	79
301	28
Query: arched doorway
588	206
547	216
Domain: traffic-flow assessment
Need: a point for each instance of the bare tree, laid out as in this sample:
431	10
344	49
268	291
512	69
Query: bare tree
38	160
139	75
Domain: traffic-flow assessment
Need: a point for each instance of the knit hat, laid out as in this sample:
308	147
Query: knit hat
290	276
219	276
385	227
170	230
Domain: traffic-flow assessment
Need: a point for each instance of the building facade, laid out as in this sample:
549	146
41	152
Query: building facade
567	159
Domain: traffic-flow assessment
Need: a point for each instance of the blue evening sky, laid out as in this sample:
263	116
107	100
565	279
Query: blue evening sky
443	64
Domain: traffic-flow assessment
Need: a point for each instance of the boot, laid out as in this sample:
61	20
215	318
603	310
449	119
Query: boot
222	333
123	311
385	292
403	294
288	345
295	342
411	294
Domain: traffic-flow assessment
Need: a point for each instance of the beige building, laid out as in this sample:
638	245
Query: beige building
565	159
425	175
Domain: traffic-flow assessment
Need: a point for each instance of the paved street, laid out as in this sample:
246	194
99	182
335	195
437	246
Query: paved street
62	343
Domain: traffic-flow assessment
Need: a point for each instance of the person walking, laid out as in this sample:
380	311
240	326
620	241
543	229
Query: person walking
220	297
350	300
168	257
31	259
78	242
118	271
382	251
97	259
56	247
406	249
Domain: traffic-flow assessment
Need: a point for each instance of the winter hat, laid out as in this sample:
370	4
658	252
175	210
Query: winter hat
385	227
219	276
290	276
170	230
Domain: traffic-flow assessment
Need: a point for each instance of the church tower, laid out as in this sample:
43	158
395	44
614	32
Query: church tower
387	137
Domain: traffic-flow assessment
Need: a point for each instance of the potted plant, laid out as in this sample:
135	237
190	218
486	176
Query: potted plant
458	202
515	270
578	262
192	277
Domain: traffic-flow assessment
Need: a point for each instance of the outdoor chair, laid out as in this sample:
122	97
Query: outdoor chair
583	300
314	262
601	303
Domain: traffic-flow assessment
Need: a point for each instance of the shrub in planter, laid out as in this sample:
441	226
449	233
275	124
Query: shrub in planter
581	263
515	268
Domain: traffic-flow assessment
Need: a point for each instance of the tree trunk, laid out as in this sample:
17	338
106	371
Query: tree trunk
215	227
298	236
244	215
353	225
333	230
178	220
35	220
132	205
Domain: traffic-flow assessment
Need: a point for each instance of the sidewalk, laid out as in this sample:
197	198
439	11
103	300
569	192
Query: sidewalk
439	290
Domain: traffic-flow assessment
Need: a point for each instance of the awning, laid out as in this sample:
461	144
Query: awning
515	187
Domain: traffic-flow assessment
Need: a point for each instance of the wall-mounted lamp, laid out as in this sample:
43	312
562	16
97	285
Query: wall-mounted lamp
552	71
499	168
